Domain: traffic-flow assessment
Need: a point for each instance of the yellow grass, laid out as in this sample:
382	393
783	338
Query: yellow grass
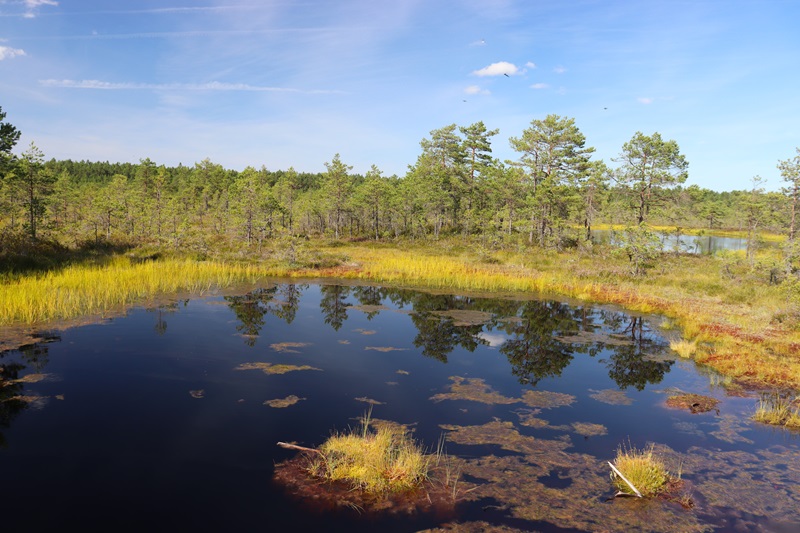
90	290
684	348
378	461
643	468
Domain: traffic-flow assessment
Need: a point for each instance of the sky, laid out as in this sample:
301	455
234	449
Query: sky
283	83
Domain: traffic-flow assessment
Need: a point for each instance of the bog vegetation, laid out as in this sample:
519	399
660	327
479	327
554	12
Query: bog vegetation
81	238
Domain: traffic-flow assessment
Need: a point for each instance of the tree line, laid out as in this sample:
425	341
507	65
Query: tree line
551	195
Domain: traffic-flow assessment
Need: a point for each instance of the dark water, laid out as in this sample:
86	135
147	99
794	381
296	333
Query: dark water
144	423
693	244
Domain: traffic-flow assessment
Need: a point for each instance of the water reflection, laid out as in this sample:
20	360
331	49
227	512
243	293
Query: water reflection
539	337
13	363
693	244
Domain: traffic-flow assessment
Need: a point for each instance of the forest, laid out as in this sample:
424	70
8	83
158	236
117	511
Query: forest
551	196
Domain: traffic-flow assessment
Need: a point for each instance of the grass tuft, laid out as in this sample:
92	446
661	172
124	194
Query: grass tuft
778	410
643	468
684	348
376	460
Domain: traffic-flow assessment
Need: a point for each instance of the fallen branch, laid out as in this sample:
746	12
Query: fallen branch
299	448
614	468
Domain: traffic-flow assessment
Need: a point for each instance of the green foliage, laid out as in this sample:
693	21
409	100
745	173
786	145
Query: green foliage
642	247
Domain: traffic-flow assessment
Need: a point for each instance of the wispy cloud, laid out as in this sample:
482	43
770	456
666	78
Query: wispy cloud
479	42
32	7
559	70
6	52
475	89
210	86
530	64
540	86
498	69
644	100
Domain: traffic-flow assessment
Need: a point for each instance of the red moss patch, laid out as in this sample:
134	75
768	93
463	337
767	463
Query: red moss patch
695	403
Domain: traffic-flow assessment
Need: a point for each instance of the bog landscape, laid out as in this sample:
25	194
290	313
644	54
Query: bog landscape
551	343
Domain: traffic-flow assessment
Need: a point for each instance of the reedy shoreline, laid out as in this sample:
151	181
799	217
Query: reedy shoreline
743	328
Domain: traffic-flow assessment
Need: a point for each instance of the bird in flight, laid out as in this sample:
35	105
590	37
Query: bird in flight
506	75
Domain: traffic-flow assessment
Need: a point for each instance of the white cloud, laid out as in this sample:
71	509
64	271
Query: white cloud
210	86
540	86
475	89
644	100
559	70
6	52
479	42
530	64
32	6
497	69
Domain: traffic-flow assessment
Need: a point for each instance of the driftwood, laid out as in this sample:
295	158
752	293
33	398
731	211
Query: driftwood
298	448
614	468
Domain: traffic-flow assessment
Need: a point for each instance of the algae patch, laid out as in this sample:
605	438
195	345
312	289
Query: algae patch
288	347
280	403
611	396
269	368
473	389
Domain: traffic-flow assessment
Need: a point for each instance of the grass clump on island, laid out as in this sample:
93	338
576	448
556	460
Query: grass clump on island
377	460
778	410
641	468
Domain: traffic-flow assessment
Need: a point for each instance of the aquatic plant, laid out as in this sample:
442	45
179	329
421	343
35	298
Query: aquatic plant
642	468
377	460
779	410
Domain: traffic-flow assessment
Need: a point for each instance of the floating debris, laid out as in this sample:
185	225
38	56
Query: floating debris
403	372
343	341
385	349
611	396
288	347
34	378
365	331
269	368
197	393
280	403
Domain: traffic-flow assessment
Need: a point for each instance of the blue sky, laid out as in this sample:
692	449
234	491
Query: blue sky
291	83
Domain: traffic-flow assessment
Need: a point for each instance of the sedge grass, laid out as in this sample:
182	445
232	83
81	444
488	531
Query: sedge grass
778	410
376	460
642	468
81	290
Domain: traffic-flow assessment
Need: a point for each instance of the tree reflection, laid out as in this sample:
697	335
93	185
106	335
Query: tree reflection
534	351
629	364
250	310
333	304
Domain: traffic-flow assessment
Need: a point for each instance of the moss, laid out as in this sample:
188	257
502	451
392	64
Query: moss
288	347
694	403
473	389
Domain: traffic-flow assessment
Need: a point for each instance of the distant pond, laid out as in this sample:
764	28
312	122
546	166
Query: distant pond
168	418
693	244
